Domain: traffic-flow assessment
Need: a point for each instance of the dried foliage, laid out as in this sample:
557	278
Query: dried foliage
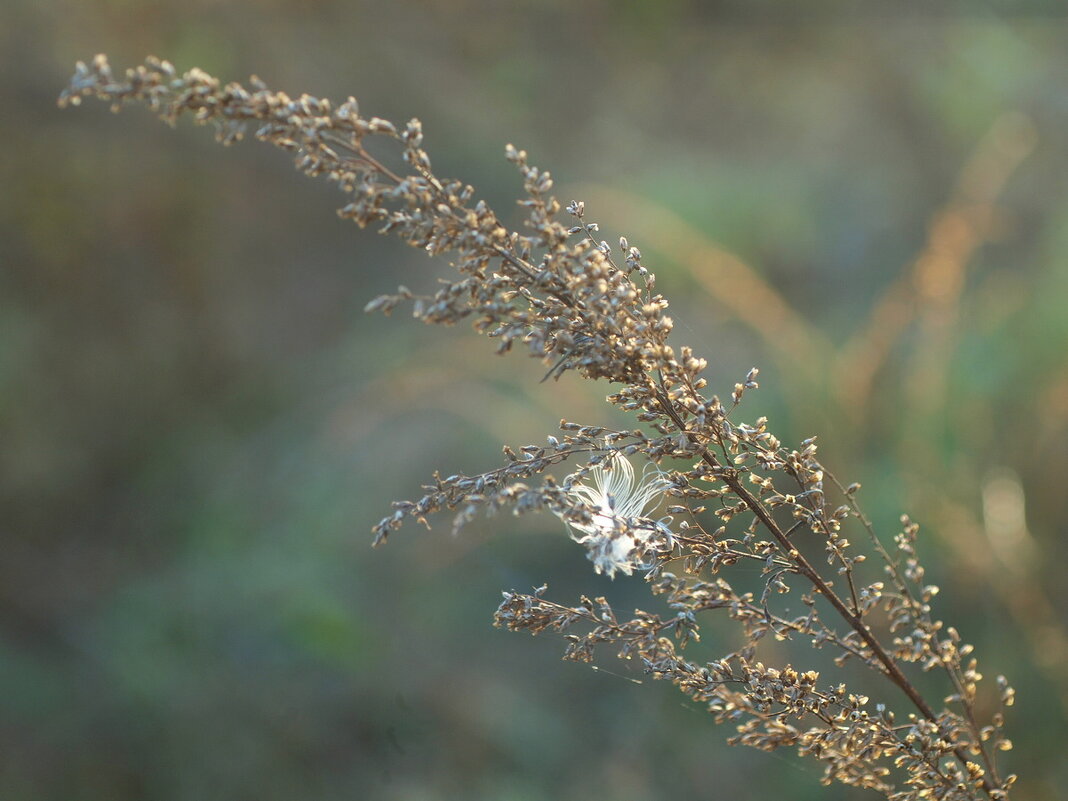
732	493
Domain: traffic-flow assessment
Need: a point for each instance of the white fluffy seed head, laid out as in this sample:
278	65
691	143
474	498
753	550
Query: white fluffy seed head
617	536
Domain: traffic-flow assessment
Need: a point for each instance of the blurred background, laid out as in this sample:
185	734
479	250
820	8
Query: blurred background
199	426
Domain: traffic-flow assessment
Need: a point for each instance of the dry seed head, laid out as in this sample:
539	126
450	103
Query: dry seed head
556	290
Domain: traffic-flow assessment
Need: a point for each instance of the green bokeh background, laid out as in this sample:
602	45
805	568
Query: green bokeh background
199	426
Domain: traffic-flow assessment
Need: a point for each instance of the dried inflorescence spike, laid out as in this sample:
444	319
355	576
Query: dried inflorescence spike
735	494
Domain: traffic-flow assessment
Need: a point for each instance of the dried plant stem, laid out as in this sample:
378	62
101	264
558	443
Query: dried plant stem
729	476
559	292
903	587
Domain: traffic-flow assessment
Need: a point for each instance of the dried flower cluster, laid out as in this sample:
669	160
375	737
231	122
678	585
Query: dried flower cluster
740	495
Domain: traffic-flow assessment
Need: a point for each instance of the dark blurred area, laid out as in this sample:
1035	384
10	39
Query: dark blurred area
200	426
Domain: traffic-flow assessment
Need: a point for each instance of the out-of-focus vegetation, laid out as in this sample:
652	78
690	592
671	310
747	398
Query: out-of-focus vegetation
199	425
